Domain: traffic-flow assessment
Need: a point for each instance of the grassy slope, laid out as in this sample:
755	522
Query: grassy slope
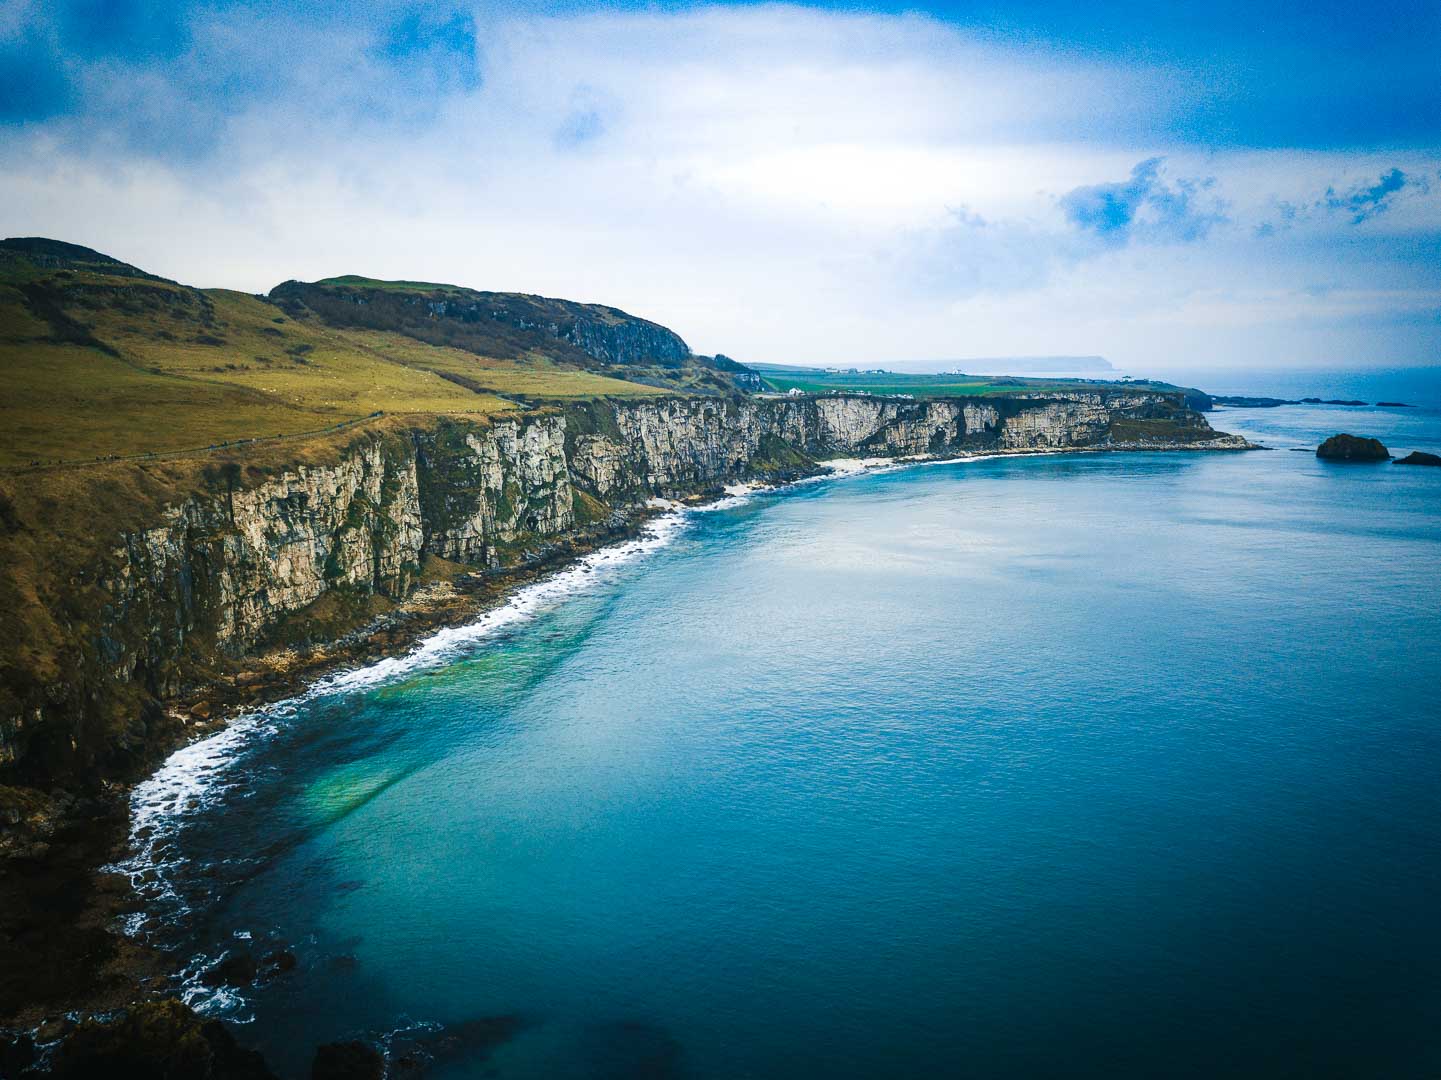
122	366
558	308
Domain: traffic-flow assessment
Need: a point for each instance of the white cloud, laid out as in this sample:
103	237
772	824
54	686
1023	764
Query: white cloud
775	183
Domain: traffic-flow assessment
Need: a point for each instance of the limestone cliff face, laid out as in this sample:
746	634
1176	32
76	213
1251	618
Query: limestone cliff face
222	569
482	489
216	574
671	445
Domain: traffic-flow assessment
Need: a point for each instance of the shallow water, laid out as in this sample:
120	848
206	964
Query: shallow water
1079	765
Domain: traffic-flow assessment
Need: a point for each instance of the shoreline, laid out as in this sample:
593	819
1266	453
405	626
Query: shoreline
92	964
62	910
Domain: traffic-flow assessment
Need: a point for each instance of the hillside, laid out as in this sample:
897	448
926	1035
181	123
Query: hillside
102	359
512	326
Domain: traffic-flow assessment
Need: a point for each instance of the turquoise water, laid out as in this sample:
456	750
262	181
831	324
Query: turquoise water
1075	765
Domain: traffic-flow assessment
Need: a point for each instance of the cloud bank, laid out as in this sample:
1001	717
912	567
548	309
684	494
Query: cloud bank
779	183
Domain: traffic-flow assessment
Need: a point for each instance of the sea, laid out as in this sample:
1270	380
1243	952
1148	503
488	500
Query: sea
1082	765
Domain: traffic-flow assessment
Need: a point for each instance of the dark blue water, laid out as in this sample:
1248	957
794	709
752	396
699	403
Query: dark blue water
1419	386
1076	765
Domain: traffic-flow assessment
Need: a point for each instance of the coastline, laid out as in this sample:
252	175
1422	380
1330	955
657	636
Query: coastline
63	903
84	847
93	966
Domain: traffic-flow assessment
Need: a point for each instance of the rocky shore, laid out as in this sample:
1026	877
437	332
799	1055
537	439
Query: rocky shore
68	973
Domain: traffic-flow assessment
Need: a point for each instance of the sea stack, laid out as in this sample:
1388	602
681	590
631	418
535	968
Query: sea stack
1345	447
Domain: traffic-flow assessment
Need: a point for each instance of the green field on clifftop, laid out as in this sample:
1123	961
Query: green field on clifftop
100	359
895	383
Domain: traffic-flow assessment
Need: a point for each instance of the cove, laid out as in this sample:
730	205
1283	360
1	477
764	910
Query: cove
1064	765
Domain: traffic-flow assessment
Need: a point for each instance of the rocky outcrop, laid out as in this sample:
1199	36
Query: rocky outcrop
212	579
224	567
1419	457
1238	401
156	1039
602	333
490	323
622	340
1345	447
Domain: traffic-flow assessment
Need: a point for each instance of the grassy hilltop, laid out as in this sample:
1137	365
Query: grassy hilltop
102	359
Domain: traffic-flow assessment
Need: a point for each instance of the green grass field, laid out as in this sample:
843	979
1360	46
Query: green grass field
898	383
397	286
123	366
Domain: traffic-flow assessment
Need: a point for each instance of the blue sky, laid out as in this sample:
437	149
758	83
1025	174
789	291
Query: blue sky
1166	185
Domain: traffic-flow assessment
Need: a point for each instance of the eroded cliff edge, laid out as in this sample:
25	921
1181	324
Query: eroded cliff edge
98	650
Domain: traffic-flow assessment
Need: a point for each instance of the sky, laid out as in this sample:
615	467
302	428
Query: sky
1217	184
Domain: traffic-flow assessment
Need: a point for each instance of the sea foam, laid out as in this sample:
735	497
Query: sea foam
194	777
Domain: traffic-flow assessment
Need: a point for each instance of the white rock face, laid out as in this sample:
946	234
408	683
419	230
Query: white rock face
494	486
1056	424
217	572
233	563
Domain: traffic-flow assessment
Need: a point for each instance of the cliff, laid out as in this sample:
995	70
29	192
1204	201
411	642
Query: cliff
249	559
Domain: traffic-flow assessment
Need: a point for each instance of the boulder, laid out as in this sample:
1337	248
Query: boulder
155	1039
234	968
1417	457
1345	447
